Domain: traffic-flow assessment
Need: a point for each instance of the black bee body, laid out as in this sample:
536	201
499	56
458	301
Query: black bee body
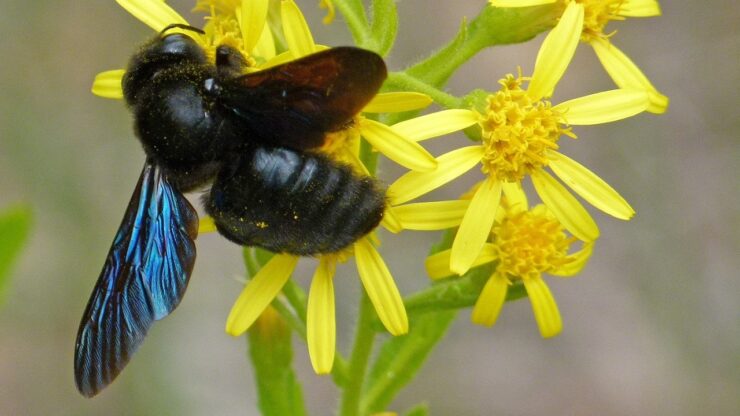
254	138
254	134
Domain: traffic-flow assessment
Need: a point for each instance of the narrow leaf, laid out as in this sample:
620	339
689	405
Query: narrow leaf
278	390
15	224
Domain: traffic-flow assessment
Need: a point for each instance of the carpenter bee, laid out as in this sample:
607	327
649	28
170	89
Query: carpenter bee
252	138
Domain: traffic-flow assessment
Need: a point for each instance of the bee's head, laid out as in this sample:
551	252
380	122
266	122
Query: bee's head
166	51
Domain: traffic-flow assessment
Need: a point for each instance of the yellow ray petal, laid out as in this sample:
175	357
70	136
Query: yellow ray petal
515	196
589	186
565	207
436	124
438	264
321	323
626	74
259	292
639	8
449	166
154	13
206	225
545	309
107	84
476	226
265	47
578	261
488	306
396	102
519	3
556	52
390	221
297	33
396	147
380	288
604	107
430	216
252	21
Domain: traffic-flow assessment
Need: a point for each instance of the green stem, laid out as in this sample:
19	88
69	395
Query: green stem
297	298
291	319
363	346
493	26
402	81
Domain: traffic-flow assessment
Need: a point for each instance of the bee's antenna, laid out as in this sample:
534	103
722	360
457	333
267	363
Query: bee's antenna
181	26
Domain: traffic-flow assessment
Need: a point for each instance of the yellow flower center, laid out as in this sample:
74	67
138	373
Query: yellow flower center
597	13
222	27
528	243
516	131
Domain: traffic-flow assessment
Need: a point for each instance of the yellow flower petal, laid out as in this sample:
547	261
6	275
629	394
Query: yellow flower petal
488	306
380	288
556	52
206	225
476	226
577	261
515	196
260	292
436	124
430	216
519	3
154	13
396	147
545	309
604	107
449	166
639	8
626	74
589	186
396	102
438	264
390	221
565	206
265	47
252	21
107	84
320	322
297	33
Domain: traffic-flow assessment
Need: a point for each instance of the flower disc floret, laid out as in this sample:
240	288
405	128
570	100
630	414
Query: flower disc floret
530	243
517	132
597	13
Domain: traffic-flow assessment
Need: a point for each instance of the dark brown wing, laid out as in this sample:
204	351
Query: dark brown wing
295	104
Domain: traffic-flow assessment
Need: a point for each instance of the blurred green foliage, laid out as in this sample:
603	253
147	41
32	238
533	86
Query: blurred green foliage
15	224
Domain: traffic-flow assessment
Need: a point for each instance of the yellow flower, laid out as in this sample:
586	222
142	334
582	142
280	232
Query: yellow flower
524	243
241	24
520	130
597	13
321	329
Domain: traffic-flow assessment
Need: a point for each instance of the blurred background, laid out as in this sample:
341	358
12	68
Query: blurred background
652	325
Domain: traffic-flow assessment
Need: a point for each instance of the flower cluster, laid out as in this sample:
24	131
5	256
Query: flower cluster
519	129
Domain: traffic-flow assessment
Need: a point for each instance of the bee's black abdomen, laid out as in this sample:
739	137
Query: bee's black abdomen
292	202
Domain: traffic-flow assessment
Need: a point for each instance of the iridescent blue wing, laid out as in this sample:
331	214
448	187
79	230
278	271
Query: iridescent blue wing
143	280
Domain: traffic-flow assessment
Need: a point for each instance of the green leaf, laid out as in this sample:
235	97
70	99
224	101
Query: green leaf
456	292
385	25
278	390
356	19
15	223
402	357
421	409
